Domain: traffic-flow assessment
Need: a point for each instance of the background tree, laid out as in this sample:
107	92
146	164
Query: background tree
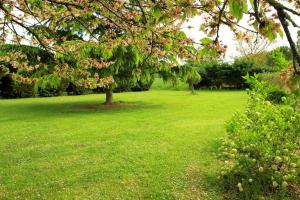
252	45
268	18
254	49
279	58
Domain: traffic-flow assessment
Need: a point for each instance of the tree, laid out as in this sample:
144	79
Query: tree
286	52
252	45
97	42
152	26
190	74
21	65
253	48
268	18
279	59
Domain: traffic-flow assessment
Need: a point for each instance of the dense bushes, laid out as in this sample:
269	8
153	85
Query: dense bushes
16	83
225	75
13	88
280	58
219	75
10	88
73	89
276	95
261	156
272	78
281	84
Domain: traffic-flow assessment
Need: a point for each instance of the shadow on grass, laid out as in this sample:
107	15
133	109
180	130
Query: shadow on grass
52	109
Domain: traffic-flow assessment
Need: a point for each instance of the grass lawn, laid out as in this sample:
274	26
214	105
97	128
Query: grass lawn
155	145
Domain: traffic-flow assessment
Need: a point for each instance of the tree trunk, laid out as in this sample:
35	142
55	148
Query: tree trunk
109	96
191	86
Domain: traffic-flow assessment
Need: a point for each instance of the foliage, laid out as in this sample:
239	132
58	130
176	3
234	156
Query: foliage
287	52
187	73
271	78
29	69
279	59
276	95
274	60
276	87
73	89
160	84
261	59
46	82
153	27
217	74
260	157
33	54
14	86
50	85
111	42
143	85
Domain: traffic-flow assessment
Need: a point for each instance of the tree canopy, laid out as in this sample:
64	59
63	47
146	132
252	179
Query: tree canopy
106	36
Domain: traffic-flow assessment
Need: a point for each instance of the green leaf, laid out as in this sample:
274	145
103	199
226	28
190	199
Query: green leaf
237	8
156	12
206	41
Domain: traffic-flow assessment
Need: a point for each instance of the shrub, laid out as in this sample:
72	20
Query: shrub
276	95
220	75
74	89
280	58
12	87
271	79
14	82
261	156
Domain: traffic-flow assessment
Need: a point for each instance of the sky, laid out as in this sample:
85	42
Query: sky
227	36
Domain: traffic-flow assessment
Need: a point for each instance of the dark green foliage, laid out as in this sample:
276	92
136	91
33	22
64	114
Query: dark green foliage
220	75
49	91
74	89
129	71
276	95
187	73
286	52
10	88
35	55
50	85
127	86
143	85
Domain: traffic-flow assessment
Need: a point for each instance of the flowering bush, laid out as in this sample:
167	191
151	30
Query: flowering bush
261	156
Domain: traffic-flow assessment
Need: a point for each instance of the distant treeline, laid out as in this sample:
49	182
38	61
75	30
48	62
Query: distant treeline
219	74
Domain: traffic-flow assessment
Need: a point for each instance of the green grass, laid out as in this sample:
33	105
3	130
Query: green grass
159	84
155	145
